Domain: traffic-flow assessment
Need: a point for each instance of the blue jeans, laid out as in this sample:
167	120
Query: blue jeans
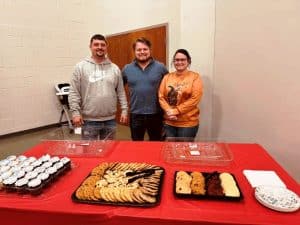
183	133
140	123
99	130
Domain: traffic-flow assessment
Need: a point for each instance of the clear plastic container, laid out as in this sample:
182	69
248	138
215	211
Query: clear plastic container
189	151
95	142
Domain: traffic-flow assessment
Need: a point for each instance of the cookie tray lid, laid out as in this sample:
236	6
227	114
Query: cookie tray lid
185	150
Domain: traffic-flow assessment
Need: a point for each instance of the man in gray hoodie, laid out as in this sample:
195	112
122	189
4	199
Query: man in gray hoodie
96	85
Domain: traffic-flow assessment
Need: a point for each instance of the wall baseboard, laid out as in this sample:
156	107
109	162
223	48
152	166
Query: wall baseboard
22	132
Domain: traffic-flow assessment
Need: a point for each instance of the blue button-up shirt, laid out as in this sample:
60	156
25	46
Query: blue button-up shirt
143	86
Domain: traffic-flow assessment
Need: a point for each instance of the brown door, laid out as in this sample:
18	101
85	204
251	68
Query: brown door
120	49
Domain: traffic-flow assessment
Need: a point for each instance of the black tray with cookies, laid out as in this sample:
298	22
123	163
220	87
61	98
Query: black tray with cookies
205	185
121	184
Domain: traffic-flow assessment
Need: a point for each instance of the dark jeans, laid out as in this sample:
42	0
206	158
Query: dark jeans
140	123
188	133
98	130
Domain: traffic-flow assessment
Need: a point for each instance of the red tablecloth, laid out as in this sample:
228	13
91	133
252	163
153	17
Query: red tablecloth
54	205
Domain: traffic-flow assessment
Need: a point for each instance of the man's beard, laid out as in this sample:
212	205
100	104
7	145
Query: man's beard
100	54
143	60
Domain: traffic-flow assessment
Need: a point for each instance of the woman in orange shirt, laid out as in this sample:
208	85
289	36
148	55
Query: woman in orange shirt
179	95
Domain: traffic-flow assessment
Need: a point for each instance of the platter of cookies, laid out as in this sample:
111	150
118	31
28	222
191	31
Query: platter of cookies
117	183
204	185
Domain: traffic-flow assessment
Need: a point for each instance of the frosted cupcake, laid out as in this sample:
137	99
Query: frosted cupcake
21	158
54	159
35	186
39	169
21	185
31	175
28	168
47	164
36	163
45	178
51	170
67	162
9	183
4	162
45	158
4	169
6	175
19	173
11	157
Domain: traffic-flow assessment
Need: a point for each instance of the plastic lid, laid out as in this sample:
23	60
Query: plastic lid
201	153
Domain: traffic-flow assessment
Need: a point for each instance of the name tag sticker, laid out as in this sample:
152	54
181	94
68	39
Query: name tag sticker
77	130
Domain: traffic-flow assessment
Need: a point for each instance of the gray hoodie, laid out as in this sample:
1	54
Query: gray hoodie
95	89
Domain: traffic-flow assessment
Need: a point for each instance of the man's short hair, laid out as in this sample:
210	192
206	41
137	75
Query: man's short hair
142	40
98	37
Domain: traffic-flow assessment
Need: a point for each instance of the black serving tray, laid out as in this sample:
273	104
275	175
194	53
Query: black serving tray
103	202
206	196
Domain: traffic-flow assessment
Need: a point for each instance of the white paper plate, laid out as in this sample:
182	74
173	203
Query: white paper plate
277	198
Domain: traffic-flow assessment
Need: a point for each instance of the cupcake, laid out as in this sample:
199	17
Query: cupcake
11	157
9	183
16	169
54	159
39	169
59	166
28	168
31	159
21	185
30	175
34	186
45	158
4	162
19	173
51	170
36	163
4	169
67	162
6	175
47	164
21	158
24	163
13	163
44	177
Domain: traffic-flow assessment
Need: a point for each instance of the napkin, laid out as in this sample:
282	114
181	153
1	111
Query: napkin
263	178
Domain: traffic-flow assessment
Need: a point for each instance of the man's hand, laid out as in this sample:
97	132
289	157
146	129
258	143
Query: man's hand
124	118
77	121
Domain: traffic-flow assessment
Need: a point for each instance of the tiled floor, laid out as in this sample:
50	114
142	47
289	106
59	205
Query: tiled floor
16	144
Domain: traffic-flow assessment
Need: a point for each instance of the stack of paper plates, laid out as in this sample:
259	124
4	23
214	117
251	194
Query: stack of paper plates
277	198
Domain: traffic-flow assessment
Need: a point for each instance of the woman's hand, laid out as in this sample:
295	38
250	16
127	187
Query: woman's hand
172	117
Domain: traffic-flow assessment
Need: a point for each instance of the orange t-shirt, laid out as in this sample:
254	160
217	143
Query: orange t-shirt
181	94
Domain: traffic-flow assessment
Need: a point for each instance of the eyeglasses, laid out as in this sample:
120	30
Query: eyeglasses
180	60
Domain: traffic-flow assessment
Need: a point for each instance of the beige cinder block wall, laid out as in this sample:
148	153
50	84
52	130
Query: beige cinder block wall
40	43
256	77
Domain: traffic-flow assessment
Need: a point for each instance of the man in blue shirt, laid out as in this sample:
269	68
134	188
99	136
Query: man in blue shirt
143	77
